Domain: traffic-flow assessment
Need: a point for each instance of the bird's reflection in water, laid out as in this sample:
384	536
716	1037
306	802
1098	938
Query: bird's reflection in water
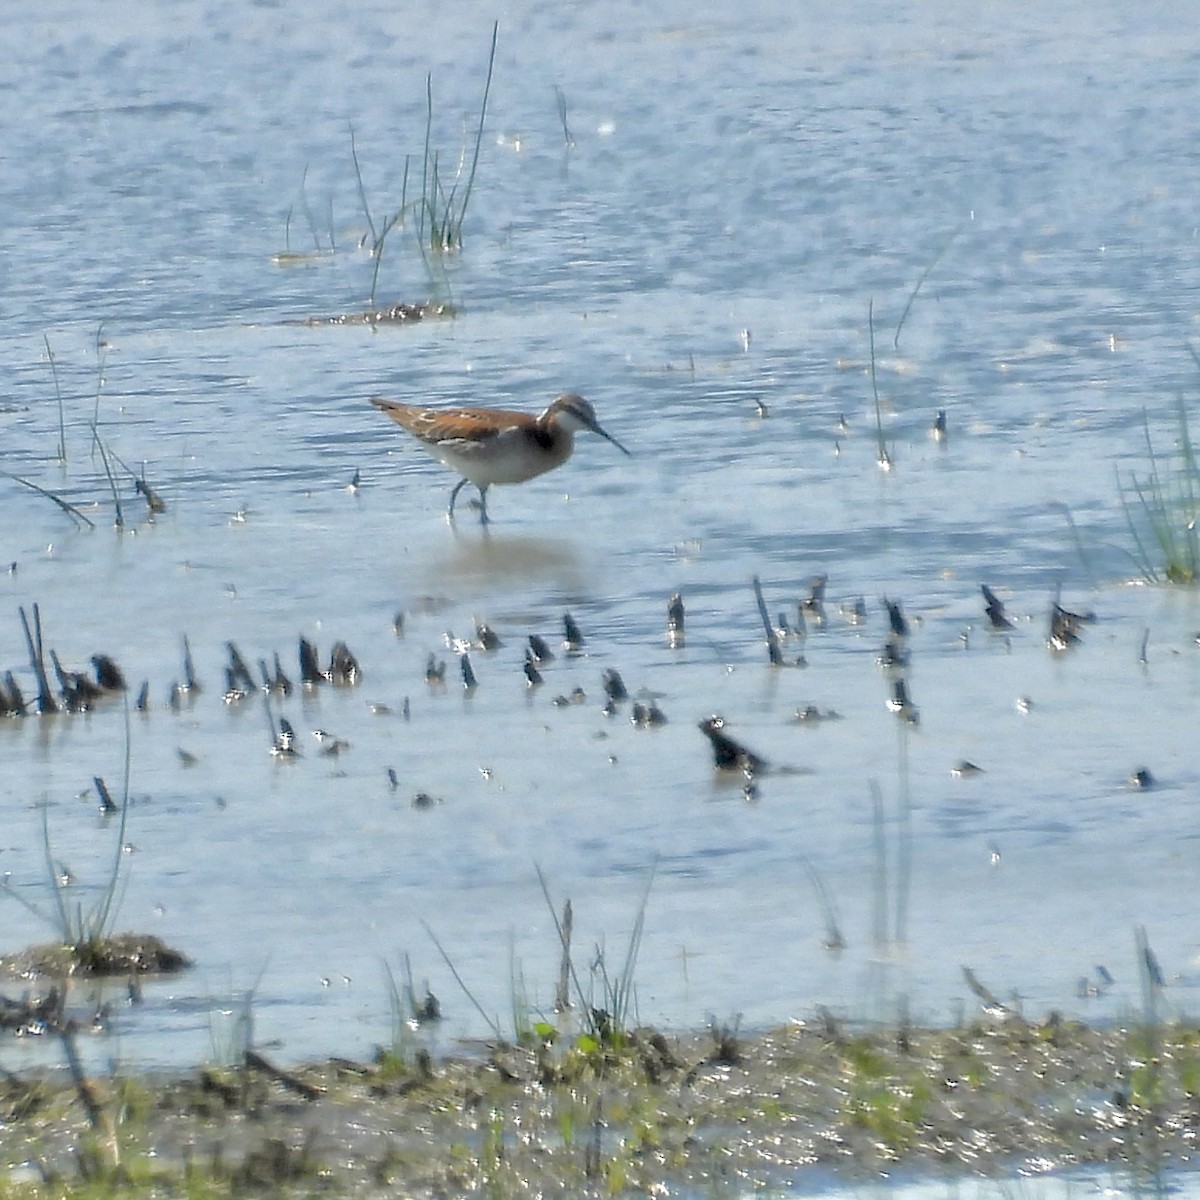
483	556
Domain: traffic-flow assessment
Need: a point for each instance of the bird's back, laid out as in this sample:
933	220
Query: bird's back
436	425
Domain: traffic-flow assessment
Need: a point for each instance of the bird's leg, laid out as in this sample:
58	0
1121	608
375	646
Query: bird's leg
458	487
483	517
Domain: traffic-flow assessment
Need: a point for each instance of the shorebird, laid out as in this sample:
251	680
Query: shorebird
493	445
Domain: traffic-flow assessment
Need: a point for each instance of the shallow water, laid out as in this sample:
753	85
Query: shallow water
738	194
1066	1185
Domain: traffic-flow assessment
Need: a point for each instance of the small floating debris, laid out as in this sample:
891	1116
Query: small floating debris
938	432
675	615
425	800
728	754
233	693
647	716
397	314
1142	778
812	715
1024	705
964	768
486	638
854	612
993	607
576	696
331	746
435	671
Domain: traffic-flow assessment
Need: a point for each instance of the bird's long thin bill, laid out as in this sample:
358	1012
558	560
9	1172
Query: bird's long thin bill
609	437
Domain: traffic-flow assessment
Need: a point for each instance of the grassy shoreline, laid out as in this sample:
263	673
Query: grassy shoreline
703	1114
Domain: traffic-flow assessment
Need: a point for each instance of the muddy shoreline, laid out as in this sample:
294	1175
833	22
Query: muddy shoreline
646	1112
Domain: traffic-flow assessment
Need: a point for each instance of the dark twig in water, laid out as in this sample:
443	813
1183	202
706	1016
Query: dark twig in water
614	685
190	682
896	618
541	652
470	683
37	660
67	507
675	621
107	805
993	607
572	637
773	650
310	671
533	677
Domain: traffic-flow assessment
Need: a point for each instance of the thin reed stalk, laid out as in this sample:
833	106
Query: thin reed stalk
883	458
937	258
62	429
112	483
490	1021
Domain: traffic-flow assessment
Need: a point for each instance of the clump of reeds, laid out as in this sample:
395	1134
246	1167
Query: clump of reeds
1161	510
441	207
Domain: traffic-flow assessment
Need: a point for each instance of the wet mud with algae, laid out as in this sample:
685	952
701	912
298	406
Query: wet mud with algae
639	1114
